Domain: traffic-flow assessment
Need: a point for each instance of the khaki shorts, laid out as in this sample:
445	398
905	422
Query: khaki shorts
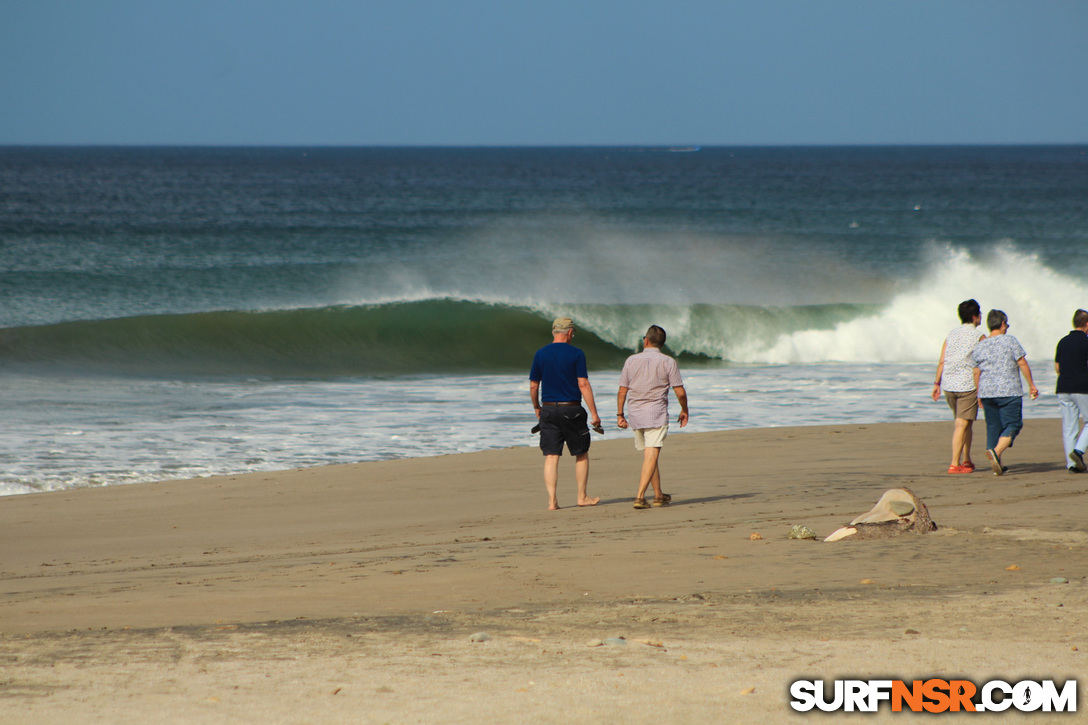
963	405
650	437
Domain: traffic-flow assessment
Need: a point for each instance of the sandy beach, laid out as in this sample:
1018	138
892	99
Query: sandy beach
442	590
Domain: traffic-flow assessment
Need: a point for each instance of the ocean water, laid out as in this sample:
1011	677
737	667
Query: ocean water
181	312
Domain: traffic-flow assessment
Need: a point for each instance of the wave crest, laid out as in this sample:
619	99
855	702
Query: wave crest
453	335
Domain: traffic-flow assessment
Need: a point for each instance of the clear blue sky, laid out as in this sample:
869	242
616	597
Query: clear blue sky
543	72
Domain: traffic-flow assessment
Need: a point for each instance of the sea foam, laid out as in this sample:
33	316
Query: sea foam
1038	300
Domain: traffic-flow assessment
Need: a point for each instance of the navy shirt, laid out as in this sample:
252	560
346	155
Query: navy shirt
1072	359
557	368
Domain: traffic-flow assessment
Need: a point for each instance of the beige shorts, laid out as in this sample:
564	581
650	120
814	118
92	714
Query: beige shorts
650	437
963	405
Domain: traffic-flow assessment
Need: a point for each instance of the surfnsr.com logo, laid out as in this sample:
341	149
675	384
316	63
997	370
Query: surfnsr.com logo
934	695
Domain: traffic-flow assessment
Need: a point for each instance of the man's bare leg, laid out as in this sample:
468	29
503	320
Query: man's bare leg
581	474
655	480
551	480
650	474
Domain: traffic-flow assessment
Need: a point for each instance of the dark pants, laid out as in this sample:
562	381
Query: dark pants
1004	418
561	424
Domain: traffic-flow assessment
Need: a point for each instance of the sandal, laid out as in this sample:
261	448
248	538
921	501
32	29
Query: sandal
640	503
665	500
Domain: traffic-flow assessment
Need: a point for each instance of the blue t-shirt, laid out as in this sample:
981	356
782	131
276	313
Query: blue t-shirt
557	368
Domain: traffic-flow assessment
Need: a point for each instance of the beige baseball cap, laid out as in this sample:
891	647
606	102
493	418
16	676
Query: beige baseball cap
562	324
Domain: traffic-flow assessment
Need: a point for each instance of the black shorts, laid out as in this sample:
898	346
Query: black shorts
561	424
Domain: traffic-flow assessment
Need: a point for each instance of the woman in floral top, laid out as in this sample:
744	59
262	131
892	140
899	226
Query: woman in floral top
999	360
955	376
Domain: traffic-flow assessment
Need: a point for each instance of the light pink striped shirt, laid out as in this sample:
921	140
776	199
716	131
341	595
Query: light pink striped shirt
648	376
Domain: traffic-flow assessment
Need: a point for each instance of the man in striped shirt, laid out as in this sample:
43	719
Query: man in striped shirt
645	381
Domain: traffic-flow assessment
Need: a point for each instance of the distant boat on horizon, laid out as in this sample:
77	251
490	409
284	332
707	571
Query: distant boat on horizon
684	149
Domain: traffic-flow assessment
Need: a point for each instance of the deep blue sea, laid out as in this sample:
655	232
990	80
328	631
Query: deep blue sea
181	312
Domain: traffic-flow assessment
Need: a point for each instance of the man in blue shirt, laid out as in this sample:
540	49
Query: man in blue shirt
558	382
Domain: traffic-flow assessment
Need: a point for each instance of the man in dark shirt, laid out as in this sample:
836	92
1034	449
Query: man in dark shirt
1071	365
558	382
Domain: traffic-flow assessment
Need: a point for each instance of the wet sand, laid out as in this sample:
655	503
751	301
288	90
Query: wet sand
352	593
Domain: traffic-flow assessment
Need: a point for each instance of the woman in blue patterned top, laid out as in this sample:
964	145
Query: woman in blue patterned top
999	360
